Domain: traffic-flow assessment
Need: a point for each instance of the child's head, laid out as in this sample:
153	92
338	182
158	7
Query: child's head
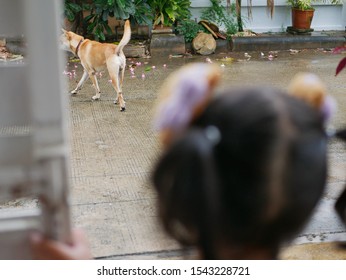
245	174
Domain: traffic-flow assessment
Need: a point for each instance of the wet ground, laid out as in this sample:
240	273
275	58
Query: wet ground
113	153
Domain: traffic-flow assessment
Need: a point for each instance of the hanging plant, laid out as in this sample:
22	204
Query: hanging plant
217	14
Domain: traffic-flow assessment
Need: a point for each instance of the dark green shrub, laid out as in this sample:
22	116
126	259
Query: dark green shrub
189	29
96	23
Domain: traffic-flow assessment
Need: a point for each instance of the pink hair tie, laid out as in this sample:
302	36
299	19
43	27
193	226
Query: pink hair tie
329	108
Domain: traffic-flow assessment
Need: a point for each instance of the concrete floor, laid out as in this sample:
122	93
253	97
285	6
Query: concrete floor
113	154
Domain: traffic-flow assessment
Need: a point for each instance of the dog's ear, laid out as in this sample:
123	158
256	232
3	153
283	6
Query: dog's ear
66	33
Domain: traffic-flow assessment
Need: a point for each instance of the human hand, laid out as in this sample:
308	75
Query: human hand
47	249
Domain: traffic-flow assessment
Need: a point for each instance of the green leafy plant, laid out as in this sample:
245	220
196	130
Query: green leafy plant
166	12
142	14
189	29
221	16
71	8
96	23
308	4
73	12
183	9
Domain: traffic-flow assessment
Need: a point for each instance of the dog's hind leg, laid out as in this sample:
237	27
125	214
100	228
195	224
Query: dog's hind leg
92	75
120	98
122	76
114	72
120	82
81	82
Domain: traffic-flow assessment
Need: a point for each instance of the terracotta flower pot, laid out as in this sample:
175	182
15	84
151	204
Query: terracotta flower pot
162	29
302	19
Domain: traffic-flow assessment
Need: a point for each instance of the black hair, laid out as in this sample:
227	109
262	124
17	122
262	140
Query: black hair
256	185
341	134
340	204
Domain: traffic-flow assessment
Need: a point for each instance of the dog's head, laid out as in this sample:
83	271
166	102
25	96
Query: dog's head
69	40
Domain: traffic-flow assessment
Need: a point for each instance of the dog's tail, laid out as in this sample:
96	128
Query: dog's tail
125	39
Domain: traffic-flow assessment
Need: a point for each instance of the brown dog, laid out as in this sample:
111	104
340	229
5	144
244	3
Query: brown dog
95	57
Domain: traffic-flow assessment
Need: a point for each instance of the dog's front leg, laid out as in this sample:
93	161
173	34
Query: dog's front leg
81	82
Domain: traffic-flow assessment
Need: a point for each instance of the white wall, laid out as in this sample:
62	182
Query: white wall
327	17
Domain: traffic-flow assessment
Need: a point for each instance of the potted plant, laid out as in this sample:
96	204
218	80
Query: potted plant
303	12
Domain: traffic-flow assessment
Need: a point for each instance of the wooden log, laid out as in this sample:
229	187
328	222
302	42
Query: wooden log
204	44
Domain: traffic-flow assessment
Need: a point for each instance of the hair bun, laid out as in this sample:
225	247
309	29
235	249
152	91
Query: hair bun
310	88
183	97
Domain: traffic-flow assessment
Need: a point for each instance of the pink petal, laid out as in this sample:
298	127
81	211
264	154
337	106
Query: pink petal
340	66
339	49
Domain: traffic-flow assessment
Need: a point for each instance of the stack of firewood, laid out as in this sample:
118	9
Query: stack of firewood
5	54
